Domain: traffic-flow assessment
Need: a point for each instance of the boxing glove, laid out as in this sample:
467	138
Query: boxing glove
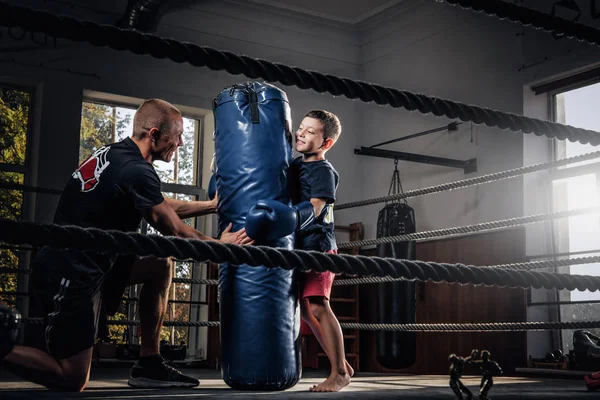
271	219
212	187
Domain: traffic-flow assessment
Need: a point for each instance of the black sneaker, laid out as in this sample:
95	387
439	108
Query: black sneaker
9	328
155	372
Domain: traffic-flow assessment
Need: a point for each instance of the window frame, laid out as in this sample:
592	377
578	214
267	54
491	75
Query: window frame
558	305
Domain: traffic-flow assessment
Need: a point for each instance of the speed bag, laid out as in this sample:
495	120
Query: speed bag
259	308
396	301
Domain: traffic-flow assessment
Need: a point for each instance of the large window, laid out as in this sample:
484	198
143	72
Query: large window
15	112
105	122
573	187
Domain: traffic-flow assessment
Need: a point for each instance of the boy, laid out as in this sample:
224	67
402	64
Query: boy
313	182
316	180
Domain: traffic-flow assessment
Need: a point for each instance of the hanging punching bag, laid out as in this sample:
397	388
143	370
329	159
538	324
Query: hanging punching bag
396	301
259	308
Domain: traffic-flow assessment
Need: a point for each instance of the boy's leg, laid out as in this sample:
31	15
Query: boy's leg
334	339
316	291
315	326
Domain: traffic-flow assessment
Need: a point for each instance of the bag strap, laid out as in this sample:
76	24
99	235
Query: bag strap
396	184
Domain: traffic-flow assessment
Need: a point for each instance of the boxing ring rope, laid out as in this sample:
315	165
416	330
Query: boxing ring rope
93	239
496	176
443	327
530	17
461	230
524	266
180	52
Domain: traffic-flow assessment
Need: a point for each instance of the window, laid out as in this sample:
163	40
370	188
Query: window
103	122
576	186
15	111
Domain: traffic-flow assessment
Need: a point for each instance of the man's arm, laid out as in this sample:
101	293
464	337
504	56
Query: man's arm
166	221
187	209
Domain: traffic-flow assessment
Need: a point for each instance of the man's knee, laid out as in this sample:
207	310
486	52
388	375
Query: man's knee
75	383
76	371
152	269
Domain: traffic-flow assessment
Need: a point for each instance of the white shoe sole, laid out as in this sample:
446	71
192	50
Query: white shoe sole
151	383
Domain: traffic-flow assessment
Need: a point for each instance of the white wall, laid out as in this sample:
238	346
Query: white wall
456	54
443	51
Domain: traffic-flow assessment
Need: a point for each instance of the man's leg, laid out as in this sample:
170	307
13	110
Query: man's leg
70	332
69	374
151	370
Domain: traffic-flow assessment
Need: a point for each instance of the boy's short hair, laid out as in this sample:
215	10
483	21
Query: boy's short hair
332	128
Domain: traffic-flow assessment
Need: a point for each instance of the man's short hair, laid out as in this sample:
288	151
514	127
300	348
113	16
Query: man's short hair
153	113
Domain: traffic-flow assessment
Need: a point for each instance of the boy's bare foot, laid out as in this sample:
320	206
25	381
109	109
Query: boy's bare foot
349	369
334	383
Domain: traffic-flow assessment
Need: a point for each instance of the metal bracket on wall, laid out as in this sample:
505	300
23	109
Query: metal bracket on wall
468	166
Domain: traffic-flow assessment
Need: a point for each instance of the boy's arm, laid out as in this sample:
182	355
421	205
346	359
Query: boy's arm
186	209
319	205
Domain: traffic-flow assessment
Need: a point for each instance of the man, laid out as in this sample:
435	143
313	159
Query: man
112	189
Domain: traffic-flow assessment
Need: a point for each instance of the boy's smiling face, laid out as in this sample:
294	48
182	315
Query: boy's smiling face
309	136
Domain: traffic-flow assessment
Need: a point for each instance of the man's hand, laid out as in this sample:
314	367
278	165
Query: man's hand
239	237
215	202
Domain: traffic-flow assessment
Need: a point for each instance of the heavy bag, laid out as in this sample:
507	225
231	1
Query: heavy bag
259	308
396	301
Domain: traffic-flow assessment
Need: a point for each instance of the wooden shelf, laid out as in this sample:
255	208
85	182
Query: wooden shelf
348	355
342	300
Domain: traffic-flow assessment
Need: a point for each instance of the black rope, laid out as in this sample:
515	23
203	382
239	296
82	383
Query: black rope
443	327
530	17
157	47
92	239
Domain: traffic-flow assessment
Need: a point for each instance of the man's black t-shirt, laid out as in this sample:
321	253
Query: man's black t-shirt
107	191
315	179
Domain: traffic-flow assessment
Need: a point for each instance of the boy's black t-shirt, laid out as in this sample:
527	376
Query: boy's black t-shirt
107	191
315	179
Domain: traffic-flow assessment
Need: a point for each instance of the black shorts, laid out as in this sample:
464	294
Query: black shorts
72	298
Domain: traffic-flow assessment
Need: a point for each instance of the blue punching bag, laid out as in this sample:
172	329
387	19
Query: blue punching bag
259	308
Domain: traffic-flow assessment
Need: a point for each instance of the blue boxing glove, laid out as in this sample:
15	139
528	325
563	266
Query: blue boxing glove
271	219
212	187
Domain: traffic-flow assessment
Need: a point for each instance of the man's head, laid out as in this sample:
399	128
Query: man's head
159	125
485	355
317	133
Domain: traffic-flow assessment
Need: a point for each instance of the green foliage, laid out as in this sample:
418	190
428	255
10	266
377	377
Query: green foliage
14	122
98	127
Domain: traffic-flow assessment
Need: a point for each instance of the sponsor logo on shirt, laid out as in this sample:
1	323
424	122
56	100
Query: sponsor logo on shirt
90	170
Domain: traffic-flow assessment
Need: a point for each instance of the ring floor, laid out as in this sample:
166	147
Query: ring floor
111	383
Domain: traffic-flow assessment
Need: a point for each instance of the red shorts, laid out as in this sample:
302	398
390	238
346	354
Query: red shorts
317	283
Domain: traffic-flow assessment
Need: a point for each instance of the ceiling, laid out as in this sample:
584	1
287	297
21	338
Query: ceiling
345	11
